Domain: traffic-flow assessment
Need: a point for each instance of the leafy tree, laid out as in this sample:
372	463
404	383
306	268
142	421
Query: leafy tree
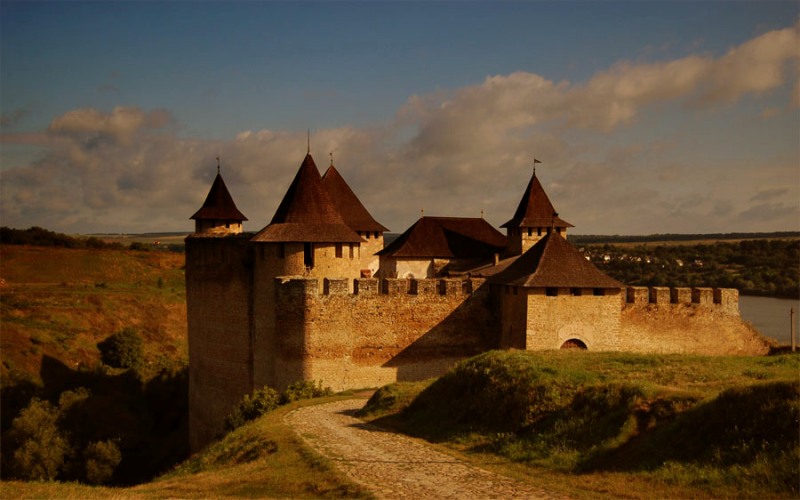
40	448
102	457
123	349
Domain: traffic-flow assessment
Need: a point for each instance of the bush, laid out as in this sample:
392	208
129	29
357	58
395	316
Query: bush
123	349
253	406
304	389
40	448
102	457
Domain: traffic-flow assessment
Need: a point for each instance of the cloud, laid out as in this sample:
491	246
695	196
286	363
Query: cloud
453	152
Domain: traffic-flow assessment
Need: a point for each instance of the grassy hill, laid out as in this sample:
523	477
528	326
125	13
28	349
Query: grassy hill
60	303
615	424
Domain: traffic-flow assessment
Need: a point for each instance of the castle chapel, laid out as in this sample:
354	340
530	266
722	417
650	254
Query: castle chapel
316	295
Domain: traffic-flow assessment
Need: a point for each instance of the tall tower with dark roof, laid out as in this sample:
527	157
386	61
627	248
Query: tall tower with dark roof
535	217
357	218
219	214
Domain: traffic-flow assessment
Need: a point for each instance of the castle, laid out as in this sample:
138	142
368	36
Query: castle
316	295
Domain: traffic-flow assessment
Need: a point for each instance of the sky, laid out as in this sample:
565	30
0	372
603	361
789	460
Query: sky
647	117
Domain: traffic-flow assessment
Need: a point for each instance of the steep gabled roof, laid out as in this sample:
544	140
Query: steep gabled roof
219	204
447	237
307	213
350	207
535	209
551	262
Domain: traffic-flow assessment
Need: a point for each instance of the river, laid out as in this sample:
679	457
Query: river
771	316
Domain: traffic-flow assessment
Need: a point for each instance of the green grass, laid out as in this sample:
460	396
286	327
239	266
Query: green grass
619	424
262	459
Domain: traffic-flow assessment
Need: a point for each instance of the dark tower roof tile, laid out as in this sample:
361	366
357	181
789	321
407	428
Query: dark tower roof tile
219	204
307	213
350	207
552	262
535	209
447	237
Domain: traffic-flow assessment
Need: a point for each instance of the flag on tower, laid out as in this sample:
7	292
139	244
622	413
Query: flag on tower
535	161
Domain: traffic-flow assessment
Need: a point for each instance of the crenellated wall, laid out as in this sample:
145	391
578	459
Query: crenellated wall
248	328
386	330
687	320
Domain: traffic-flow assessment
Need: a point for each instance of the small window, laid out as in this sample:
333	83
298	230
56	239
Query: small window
308	255
538	231
599	292
376	235
530	231
351	250
551	291
559	229
338	250
576	292
227	225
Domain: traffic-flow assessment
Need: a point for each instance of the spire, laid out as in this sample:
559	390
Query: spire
219	208
307	213
355	214
535	208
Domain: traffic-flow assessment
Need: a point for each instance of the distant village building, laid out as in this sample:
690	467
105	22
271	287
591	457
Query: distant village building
315	295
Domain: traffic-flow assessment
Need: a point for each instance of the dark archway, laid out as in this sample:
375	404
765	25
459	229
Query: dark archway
574	344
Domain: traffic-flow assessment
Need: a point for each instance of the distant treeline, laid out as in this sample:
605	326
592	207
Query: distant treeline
616	238
768	267
40	237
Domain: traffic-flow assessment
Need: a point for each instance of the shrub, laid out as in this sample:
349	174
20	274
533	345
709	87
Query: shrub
123	349
40	448
102	457
253	406
304	389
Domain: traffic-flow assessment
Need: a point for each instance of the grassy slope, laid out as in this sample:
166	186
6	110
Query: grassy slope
61	302
616	424
263	459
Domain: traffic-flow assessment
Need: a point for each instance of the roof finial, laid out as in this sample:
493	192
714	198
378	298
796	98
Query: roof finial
535	161
331	153
481	213
217	164
308	140
422	212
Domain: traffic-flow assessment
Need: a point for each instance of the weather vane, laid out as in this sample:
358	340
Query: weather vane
535	161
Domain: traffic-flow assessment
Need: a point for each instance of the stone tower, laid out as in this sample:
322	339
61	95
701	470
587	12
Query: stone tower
535	217
219	214
357	218
307	237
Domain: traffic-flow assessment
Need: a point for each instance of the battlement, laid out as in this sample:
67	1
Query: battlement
452	287
724	298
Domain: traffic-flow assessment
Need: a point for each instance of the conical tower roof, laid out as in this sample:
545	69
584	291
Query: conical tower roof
553	262
307	213
535	209
350	207
219	204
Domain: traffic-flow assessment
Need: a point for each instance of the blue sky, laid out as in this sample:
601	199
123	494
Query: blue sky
648	116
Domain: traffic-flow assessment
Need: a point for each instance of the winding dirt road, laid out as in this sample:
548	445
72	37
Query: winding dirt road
392	465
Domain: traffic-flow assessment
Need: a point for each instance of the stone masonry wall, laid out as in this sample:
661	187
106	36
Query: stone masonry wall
592	319
388	330
687	320
218	307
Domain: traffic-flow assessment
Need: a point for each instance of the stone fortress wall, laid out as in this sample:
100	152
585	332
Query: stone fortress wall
251	328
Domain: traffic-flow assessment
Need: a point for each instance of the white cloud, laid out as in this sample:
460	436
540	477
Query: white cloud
469	149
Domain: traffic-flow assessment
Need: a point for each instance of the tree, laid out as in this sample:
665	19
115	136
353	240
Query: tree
123	349
102	457
40	448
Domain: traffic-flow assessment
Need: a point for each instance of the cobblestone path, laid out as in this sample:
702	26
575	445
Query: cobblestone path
393	465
